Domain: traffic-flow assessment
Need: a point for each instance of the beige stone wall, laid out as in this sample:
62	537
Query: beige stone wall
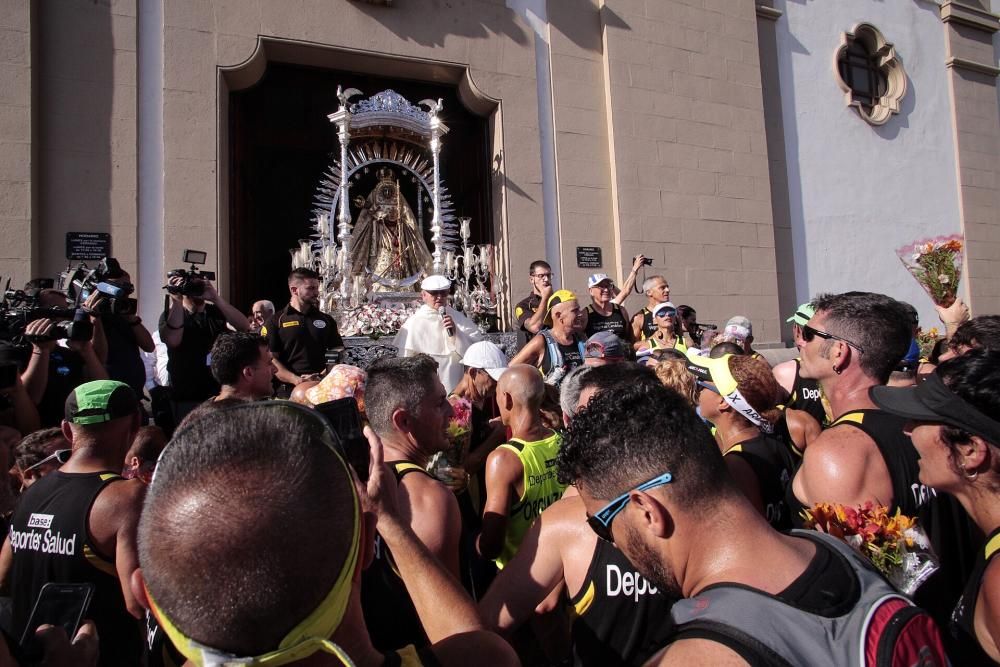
86	127
15	141
691	153
977	127
583	157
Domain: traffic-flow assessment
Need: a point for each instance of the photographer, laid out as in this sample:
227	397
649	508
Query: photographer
120	335
57	366
16	407
197	314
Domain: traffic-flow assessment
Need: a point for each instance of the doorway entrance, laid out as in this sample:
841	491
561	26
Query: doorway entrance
281	143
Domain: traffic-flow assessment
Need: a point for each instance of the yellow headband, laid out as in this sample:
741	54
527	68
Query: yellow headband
308	637
719	373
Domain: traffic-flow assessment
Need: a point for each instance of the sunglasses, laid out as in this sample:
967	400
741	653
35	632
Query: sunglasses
808	333
600	523
704	385
60	455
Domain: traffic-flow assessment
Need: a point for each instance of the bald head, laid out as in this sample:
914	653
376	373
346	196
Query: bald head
275	510
524	384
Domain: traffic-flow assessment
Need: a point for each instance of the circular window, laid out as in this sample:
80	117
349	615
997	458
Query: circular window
870	74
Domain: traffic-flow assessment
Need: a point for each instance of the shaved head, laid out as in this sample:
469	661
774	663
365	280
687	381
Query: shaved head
524	384
241	538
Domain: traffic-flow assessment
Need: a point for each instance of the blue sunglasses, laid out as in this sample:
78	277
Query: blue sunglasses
600	523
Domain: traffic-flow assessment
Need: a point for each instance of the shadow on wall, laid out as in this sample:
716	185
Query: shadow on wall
892	127
75	85
452	17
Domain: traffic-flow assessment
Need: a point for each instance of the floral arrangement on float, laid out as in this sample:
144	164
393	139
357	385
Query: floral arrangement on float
374	319
894	544
936	264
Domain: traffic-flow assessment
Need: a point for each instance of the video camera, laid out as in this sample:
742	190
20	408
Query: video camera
192	280
19	308
82	282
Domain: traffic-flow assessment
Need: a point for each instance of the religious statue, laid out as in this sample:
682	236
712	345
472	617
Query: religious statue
386	242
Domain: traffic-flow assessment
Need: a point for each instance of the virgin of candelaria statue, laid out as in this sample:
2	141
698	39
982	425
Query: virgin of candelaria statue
386	241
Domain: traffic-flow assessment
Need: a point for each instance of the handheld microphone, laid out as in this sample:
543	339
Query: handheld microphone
450	330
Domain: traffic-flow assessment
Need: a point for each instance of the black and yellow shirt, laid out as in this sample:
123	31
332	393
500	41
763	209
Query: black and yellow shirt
300	340
525	308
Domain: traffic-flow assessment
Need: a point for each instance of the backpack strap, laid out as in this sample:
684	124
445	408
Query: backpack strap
746	646
553	357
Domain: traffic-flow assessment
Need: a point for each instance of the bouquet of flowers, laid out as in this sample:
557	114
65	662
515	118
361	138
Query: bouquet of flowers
936	264
927	340
373	320
447	465
895	545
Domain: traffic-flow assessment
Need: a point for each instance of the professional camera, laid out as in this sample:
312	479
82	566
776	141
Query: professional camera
648	261
192	280
19	308
82	282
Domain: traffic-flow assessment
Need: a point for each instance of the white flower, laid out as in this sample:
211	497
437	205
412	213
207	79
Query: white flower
943	279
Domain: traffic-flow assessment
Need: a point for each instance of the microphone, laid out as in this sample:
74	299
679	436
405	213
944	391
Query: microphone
450	330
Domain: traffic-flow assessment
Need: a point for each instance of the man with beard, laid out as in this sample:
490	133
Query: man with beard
653	482
300	334
408	408
617	618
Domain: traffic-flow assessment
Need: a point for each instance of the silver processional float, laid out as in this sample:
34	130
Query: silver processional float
371	251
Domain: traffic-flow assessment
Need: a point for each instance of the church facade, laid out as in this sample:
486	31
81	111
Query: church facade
759	152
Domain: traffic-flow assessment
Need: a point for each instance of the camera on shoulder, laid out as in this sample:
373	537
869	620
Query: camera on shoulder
18	308
192	280
106	279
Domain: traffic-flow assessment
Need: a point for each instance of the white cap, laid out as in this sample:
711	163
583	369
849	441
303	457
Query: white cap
662	306
488	356
738	327
435	283
596	279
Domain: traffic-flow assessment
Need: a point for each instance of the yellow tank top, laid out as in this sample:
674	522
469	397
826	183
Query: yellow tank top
541	489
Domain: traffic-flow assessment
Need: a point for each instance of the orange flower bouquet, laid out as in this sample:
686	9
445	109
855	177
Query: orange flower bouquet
894	544
936	264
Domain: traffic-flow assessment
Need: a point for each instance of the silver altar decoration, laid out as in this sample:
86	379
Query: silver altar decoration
472	274
388	133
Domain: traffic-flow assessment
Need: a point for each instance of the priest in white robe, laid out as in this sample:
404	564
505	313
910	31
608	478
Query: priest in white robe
438	330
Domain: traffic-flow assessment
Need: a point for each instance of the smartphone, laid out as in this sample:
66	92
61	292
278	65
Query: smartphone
57	604
343	415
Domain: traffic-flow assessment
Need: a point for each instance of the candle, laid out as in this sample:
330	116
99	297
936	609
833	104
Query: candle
468	258
466	230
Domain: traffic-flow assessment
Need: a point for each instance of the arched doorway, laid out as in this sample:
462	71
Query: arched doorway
280	144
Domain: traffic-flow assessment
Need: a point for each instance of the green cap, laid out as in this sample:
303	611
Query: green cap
100	401
802	314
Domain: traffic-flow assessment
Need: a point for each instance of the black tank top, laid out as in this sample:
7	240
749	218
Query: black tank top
648	326
50	543
615	323
773	464
964	616
951	532
619	618
807	396
389	612
908	494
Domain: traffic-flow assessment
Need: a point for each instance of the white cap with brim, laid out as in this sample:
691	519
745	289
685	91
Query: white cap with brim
435	283
663	306
487	356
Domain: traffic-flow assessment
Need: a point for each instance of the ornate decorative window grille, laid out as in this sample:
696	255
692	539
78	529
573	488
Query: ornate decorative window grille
870	74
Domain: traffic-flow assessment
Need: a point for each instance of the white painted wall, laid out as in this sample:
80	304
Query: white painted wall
858	192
